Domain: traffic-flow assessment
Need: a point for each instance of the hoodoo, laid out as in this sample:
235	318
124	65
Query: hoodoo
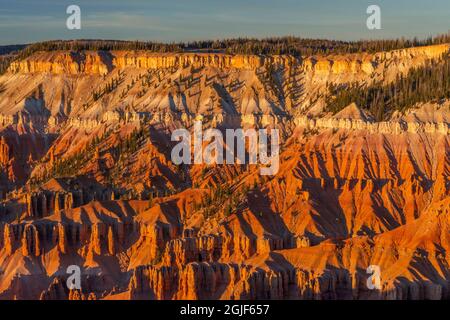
102	171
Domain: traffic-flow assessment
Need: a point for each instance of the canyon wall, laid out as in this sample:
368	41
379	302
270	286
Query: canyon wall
101	63
87	179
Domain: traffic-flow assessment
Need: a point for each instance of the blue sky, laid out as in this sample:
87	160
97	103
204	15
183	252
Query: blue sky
24	21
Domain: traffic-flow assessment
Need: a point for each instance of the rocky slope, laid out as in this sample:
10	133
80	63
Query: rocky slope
87	180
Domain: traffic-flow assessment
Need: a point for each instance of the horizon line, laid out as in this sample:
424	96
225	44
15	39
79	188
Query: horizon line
186	42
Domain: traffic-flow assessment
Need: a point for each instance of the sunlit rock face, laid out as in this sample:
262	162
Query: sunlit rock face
87	179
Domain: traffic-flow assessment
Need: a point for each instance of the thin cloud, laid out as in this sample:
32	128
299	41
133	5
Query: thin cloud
121	20
28	21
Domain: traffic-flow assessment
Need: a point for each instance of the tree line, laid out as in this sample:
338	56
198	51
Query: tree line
274	45
428	83
96	45
269	46
307	47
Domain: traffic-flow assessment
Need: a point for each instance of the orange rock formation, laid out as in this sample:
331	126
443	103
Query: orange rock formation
87	180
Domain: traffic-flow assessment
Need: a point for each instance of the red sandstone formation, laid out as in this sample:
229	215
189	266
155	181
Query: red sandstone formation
90	182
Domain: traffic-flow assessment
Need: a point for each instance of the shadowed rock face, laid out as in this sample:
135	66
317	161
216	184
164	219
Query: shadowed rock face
87	180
